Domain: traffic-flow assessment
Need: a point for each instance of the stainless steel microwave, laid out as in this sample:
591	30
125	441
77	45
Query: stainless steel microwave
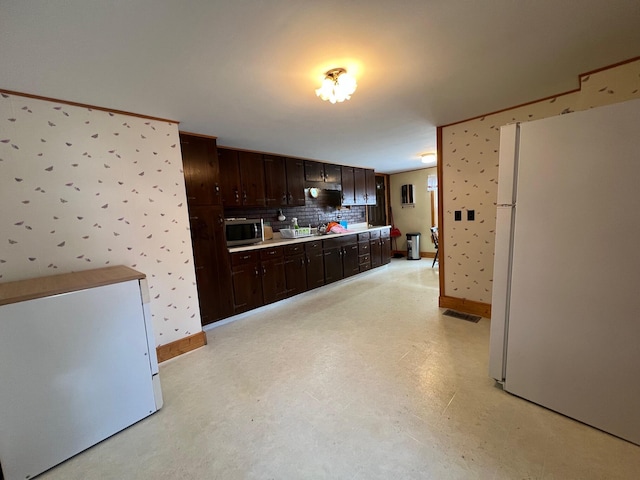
243	231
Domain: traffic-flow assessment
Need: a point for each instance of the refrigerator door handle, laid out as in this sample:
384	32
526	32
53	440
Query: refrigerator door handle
501	292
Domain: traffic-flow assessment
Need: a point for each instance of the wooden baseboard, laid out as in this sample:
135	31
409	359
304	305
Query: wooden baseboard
465	306
422	254
184	345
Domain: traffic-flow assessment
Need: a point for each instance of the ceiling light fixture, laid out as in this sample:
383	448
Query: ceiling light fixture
429	158
337	86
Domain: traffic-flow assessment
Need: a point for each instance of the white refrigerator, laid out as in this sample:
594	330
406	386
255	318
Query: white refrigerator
565	326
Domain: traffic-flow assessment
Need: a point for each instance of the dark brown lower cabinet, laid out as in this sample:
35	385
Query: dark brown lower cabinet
332	264
295	266
247	281
258	278
272	269
364	256
364	251
350	258
340	258
314	258
266	275
385	247
213	273
376	249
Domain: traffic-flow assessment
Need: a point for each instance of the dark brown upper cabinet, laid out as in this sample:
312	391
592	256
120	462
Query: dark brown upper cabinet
370	182
322	172
313	171
348	187
201	172
275	177
361	187
230	177
332	173
295	181
358	186
242	178
284	181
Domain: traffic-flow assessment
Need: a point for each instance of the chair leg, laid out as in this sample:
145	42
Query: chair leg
435	259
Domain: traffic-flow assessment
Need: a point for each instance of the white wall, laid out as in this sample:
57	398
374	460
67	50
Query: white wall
83	188
412	219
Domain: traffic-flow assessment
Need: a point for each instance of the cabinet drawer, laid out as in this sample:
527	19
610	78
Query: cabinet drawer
332	243
244	258
374	234
296	249
363	247
273	252
364	262
385	232
340	241
313	246
363	237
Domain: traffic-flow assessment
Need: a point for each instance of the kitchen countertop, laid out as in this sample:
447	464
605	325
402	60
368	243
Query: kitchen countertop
278	241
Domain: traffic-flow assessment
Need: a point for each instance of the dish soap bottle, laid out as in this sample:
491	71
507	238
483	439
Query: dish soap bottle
294	223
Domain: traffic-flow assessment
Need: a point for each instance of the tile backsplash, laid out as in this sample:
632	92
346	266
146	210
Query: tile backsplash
315	211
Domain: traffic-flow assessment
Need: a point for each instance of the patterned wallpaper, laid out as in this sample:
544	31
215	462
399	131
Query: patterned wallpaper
470	173
84	188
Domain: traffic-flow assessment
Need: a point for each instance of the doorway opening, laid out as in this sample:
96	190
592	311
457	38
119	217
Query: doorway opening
432	188
377	214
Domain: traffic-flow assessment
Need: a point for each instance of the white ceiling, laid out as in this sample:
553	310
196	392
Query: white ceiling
246	71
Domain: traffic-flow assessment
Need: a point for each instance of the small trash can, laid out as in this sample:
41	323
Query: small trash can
413	246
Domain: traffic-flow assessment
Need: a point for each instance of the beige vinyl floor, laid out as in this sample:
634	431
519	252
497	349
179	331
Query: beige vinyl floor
362	380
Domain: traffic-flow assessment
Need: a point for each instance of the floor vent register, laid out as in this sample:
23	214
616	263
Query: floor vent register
462	316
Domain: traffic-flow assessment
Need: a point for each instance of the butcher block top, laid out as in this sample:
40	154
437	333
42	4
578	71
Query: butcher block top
22	290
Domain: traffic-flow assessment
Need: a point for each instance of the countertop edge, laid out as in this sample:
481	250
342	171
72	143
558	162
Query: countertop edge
40	287
279	242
